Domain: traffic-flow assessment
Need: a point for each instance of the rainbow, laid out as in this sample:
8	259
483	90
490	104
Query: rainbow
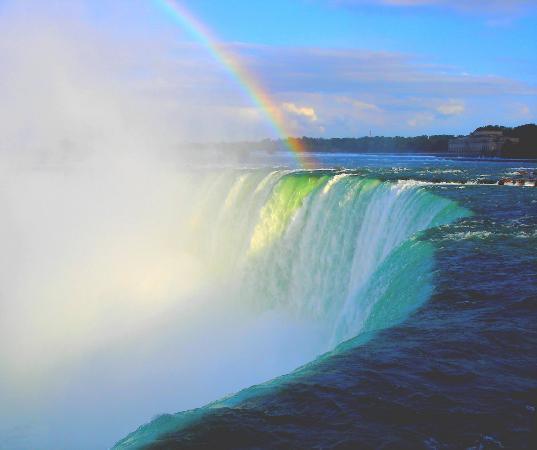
248	83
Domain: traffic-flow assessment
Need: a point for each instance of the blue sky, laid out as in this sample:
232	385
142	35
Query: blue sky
431	47
396	66
332	67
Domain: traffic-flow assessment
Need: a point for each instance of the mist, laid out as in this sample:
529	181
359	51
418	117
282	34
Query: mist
109	313
137	277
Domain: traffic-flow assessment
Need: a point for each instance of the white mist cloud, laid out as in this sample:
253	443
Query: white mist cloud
95	222
89	227
70	91
71	85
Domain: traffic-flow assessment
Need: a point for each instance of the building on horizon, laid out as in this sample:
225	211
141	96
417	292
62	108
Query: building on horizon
481	143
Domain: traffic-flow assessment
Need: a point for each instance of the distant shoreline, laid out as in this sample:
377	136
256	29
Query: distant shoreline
520	144
446	155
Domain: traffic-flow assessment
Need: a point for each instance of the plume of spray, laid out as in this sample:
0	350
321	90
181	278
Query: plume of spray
80	167
107	312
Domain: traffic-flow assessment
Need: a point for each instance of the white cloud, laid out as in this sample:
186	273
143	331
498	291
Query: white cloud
303	111
451	108
520	111
525	111
420	119
364	106
348	92
353	91
484	7
359	73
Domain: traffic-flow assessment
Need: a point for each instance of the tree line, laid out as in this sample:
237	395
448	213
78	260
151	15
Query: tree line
434	144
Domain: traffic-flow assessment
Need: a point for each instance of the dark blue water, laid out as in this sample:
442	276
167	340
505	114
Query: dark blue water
460	372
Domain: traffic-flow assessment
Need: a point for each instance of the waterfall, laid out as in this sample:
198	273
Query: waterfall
317	244
315	258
